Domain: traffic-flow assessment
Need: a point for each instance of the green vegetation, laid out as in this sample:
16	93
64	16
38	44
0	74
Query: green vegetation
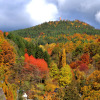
50	32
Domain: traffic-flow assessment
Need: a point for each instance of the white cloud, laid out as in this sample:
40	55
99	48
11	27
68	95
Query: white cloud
41	11
97	16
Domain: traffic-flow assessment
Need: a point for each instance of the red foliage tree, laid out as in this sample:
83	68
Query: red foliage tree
38	63
83	67
78	63
98	40
85	58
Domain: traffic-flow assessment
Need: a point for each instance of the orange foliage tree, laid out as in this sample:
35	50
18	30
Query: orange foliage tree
7	56
7	59
73	65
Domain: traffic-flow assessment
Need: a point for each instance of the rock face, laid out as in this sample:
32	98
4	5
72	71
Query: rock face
2	96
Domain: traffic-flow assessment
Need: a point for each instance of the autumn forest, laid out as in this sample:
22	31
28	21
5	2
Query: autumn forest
57	60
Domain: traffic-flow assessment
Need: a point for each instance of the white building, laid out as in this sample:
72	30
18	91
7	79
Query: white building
24	96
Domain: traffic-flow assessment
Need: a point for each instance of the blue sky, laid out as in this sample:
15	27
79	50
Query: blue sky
20	14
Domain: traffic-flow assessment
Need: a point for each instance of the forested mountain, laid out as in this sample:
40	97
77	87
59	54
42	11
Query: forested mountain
57	60
49	32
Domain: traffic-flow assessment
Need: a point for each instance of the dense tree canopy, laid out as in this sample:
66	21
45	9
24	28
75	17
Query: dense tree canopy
58	60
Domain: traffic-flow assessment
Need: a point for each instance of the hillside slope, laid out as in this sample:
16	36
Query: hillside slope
49	31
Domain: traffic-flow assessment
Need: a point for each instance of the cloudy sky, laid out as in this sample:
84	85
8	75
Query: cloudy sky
19	14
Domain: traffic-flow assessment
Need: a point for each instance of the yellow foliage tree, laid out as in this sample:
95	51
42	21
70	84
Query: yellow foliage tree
63	58
65	76
92	89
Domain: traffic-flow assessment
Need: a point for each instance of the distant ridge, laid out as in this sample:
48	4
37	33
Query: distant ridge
56	28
